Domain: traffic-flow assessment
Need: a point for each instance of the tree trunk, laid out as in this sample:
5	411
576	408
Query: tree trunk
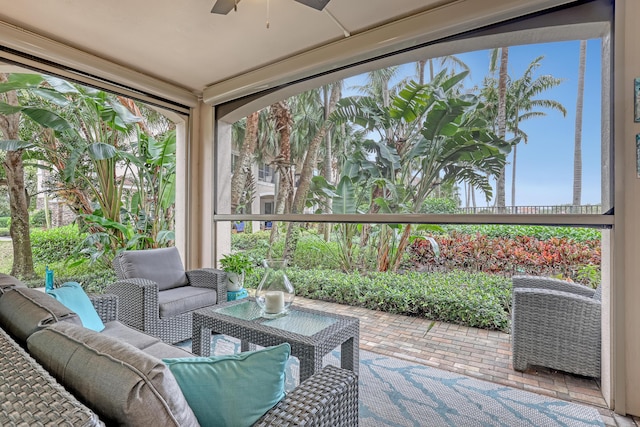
402	246
18	201
502	124
245	160
513	166
282	164
473	197
328	162
306	174
421	69
577	151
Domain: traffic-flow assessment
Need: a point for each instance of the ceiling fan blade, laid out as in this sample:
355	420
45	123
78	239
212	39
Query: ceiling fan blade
316	4
223	7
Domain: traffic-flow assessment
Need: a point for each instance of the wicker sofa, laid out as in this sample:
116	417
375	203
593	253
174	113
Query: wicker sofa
556	324
53	371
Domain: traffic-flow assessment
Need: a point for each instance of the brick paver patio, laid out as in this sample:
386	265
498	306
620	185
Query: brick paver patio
477	353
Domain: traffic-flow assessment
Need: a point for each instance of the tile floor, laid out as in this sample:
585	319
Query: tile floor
473	352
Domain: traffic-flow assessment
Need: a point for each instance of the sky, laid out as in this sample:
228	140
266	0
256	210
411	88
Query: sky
544	174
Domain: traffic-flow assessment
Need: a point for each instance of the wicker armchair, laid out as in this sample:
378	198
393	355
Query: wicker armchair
157	296
555	324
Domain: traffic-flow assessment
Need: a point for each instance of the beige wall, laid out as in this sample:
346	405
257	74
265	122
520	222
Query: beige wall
626	296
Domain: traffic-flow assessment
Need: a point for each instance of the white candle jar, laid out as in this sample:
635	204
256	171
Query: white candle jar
275	293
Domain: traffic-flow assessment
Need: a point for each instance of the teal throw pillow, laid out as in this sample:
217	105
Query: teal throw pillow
72	296
232	390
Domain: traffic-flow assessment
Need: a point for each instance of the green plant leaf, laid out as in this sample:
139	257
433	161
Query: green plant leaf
14	145
60	85
101	151
47	118
7	109
17	81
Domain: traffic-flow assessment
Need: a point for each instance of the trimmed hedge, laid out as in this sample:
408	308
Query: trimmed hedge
536	231
477	300
55	245
94	282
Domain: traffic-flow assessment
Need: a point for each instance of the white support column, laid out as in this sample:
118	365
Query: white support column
607	262
198	190
222	230
182	189
256	204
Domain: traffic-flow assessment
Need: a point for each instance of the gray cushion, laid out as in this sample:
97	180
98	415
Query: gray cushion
173	302
23	311
162	266
8	282
123	333
122	384
150	345
165	351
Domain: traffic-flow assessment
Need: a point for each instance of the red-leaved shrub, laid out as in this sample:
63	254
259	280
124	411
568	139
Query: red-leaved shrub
506	256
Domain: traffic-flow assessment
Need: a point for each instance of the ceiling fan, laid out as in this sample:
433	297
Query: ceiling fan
223	7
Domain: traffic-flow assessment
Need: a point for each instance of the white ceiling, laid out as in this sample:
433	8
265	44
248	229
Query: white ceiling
182	43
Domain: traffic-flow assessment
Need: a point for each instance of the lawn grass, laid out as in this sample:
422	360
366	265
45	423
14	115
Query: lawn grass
6	256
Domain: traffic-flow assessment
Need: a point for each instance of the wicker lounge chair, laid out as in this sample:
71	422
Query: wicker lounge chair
157	295
556	324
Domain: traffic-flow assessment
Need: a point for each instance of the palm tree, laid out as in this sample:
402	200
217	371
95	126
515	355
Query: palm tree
521	105
502	119
577	153
242	168
14	171
282	119
452	60
308	167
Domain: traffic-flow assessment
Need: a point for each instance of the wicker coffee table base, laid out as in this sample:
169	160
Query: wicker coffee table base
345	332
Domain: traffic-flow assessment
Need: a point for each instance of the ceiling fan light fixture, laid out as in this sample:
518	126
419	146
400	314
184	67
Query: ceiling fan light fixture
223	7
316	4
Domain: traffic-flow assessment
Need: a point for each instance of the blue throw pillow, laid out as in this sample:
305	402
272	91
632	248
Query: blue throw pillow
234	390
72	296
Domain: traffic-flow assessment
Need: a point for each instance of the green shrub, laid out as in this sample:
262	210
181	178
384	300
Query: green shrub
4	232
55	245
255	245
5	221
439	205
94	281
537	231
471	299
245	241
38	218
311	250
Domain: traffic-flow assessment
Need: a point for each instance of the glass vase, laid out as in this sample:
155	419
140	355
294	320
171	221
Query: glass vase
275	293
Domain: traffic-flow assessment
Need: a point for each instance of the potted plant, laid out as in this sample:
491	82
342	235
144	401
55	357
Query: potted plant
236	266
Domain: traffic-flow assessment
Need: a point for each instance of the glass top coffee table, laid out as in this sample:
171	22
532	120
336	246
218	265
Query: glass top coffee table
311	333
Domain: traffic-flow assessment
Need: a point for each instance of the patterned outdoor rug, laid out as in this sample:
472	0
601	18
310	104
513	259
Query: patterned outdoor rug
394	392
